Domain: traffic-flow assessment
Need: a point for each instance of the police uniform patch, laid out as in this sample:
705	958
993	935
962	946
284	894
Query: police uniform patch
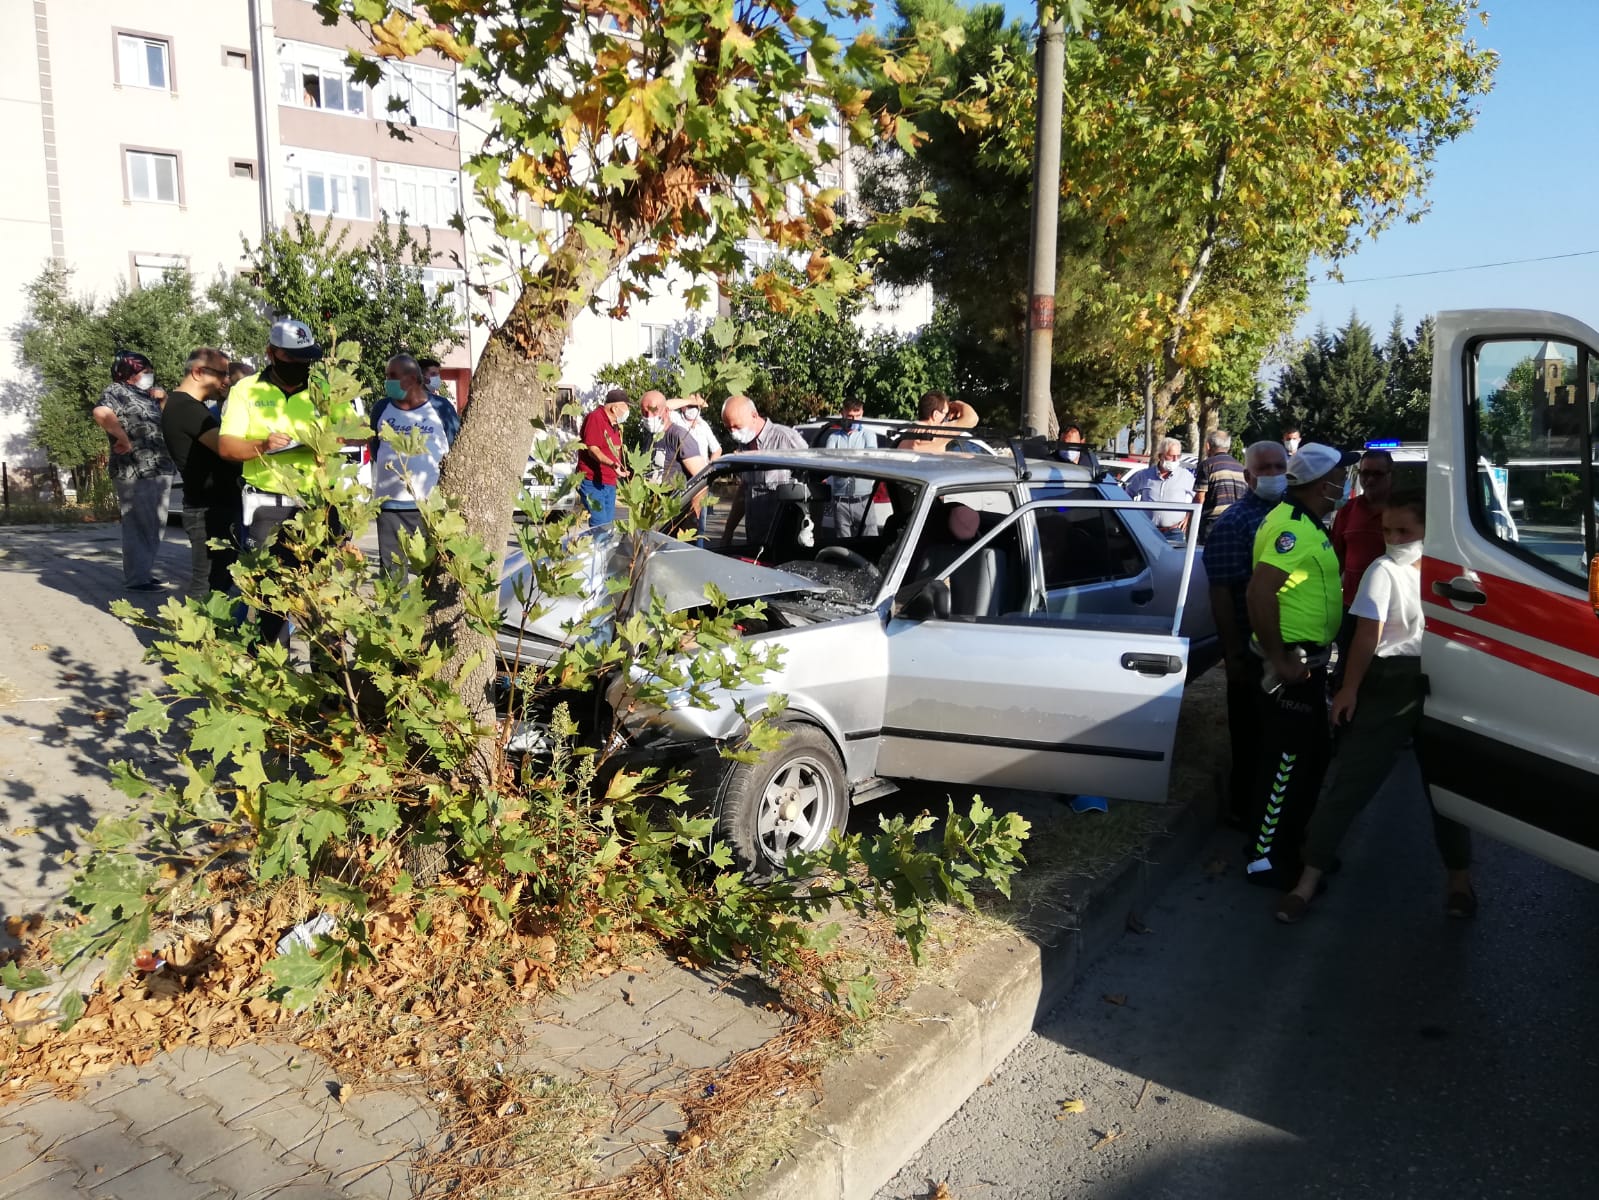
1285	542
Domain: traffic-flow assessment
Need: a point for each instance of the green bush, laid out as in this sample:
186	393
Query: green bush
356	770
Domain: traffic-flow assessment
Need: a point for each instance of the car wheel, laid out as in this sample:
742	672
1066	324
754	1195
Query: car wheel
789	800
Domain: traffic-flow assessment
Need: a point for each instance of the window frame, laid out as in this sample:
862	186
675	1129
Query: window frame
164	40
127	152
431	284
1476	508
400	82
172	262
649	330
324	59
448	183
322	162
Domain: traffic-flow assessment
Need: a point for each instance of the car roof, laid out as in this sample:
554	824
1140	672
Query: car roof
915	466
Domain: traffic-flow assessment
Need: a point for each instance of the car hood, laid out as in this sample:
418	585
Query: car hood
678	573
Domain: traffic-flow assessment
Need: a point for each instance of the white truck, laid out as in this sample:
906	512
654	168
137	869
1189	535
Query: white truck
1510	737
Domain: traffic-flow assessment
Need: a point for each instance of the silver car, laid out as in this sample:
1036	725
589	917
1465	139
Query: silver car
986	622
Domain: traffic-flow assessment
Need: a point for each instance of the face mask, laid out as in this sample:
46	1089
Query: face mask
1338	498
434	383
293	374
1291	445
689	415
393	389
654	424
144	381
742	436
1271	487
853	426
1406	554
1070	456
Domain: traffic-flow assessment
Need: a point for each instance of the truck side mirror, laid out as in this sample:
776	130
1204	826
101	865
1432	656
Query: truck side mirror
923	601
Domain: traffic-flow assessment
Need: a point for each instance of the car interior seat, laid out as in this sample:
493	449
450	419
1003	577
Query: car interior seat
979	587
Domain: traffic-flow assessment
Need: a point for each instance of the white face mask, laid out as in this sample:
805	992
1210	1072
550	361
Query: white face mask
433	383
1290	444
1406	554
654	424
689	415
743	436
1271	487
144	381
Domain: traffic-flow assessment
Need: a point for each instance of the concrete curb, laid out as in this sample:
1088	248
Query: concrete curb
878	1110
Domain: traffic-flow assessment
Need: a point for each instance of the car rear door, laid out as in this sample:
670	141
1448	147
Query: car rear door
1065	700
1510	737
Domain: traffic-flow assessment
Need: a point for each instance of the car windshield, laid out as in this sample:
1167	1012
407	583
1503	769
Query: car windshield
843	530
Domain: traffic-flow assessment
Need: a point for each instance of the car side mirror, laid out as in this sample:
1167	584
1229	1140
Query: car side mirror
1593	584
925	600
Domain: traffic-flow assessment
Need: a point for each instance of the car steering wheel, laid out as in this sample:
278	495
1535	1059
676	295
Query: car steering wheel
846	556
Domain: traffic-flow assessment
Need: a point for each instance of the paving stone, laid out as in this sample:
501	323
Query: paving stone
252	1171
308	1191
571	1009
269	1056
381	1181
344	1146
696	1015
15	1154
634	1026
600	1057
237	1090
156	1180
688	1051
748	1031
376	1111
50	1120
42	1177
188	1063
101	1088
105	1153
289	1121
148	1108
198	1137
395	1119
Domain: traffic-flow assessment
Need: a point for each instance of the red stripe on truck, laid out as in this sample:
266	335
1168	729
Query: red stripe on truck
1549	616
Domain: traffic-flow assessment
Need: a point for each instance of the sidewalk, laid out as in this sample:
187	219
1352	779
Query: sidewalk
267	1119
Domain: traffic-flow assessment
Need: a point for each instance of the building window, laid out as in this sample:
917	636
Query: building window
418	195
144	62
235	58
242	168
656	342
318	77
328	185
420	96
152	176
151	269
450	284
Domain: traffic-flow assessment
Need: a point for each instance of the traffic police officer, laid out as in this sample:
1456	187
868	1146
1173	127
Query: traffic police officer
1295	601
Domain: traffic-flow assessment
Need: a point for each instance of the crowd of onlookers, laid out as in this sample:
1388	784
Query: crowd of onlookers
1319	622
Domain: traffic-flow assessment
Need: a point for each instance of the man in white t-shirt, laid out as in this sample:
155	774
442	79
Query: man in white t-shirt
399	479
1379	706
687	413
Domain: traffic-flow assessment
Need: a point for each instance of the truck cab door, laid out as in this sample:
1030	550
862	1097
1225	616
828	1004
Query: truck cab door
1510	737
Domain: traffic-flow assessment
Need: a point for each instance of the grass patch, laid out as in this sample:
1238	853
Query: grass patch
35	513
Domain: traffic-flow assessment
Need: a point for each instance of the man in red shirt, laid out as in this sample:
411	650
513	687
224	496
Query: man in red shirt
600	458
1357	529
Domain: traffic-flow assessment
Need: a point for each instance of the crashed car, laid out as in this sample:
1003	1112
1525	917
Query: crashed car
990	622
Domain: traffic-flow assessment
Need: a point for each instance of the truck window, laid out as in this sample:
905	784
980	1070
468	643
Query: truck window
1532	407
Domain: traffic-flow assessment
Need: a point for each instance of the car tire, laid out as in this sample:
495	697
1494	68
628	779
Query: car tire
789	799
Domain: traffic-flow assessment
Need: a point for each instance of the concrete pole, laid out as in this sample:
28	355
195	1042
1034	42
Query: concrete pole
1039	411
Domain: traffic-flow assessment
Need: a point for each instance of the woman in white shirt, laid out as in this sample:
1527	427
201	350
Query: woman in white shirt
1379	706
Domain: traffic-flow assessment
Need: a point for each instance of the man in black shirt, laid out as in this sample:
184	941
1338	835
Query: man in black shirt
210	483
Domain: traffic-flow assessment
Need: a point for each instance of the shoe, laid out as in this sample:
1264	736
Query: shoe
155	585
1291	909
1461	905
1261	873
1088	804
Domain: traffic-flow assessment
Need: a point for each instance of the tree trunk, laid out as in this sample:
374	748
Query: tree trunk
483	470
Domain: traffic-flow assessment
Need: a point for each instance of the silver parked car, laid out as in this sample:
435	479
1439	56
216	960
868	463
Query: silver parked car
988	622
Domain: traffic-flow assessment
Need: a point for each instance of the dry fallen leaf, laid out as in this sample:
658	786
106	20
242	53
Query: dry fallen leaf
1106	1137
103	715
942	1192
41	646
1116	998
1068	1107
341	1092
691	1141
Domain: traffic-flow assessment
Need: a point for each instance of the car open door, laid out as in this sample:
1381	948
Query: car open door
1510	737
1019	696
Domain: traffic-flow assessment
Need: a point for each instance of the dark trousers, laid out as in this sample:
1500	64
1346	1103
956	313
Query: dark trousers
208	568
391	523
1387	712
1294	748
1244	701
264	523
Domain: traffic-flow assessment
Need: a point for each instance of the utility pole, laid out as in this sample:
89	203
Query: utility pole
1039	407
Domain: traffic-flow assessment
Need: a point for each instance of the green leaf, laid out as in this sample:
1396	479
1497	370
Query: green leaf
299	976
19	981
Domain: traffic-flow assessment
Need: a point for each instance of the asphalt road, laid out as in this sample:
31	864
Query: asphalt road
1376	1050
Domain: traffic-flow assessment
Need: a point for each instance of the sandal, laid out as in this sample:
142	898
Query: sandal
1291	909
1461	905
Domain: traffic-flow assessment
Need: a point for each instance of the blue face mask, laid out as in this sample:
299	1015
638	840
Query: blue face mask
854	426
393	389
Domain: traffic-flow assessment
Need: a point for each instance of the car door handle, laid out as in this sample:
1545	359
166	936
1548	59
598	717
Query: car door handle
1459	591
1152	664
1142	595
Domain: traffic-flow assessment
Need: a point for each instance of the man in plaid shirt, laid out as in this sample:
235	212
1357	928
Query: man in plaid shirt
1229	561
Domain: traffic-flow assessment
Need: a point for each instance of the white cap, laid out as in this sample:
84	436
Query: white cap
295	339
1312	461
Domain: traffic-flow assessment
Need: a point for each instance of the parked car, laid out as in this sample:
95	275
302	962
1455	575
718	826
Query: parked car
1000	624
888	434
553	488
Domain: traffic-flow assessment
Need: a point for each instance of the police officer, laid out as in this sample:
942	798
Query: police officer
1295	601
